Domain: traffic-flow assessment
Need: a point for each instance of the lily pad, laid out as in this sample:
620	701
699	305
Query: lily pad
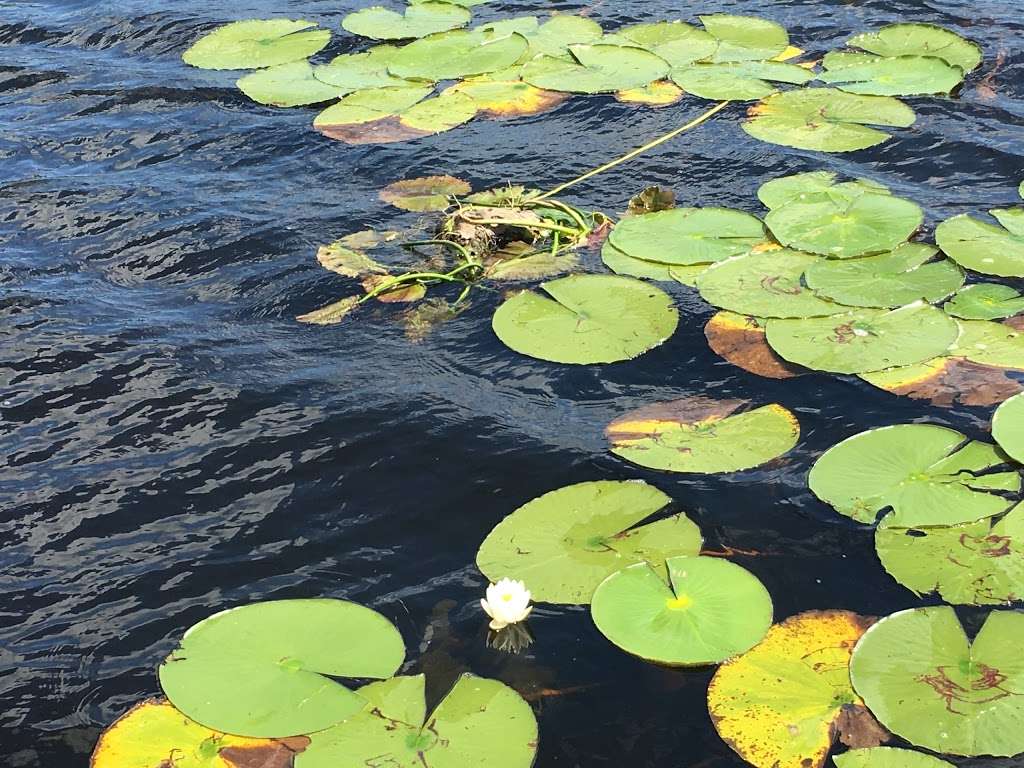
946	381
842	225
439	114
709	610
892	76
888	757
457	54
369	105
803	186
688	236
287	85
864	340
701	435
892	279
622	264
151	731
426	193
987	343
539	266
359	71
380	115
826	119
738	81
256	43
983	247
765	285
920	40
262	670
925	681
979	563
1008	427
419	20
566	542
677	43
745	38
985	301
556	35
332	313
587	319
926	475
479	722
507	98
789	698
660	93
596	69
349	262
740	340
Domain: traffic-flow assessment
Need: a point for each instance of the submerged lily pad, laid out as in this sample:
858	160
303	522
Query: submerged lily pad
419	20
479	722
785	702
920	40
153	730
596	68
738	81
688	236
566	542
888	757
864	340
287	85
677	43
924	474
983	247
256	43
740	340
1008	427
745	38
979	563
925	681
891	76
709	610
765	285
263	670
892	279
841	225
985	301
426	193
826	119
701	435
457	54
587	319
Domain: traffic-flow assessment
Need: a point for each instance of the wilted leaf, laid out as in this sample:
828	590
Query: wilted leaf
332	313
740	340
427	193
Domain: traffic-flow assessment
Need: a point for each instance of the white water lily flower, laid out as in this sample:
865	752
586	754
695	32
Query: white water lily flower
507	602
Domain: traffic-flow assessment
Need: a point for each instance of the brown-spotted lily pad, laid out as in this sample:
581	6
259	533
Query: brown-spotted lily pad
740	339
427	193
948	381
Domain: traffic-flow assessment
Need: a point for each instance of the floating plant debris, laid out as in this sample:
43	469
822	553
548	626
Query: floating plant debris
257	43
479	722
709	610
566	542
926	682
263	670
924	474
786	700
701	435
427	193
980	563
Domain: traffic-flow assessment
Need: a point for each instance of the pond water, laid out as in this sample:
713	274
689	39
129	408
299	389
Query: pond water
173	443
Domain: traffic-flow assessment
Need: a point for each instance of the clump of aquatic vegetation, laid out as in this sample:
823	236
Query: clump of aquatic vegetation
831	277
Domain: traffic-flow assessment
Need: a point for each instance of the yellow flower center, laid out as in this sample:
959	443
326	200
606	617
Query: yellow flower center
680	603
506	597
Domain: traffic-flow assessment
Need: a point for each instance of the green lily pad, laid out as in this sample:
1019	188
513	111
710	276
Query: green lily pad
826	119
701	435
359	71
765	285
688	236
925	474
371	104
425	193
457	54
985	301
479	722
677	43
920	40
709	610
979	563
745	38
983	247
566	542
287	85
789	698
556	35
261	670
737	81
895	76
804	186
864	340
256	43
621	263
926	682
989	343
587	319
539	266
1008	427
379	115
841	225
660	93
888	757
890	279
419	20
439	114
596	69
507	98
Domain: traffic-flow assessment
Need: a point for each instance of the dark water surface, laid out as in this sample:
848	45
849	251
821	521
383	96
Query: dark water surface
173	443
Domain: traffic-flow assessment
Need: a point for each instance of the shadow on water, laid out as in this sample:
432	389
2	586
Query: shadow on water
173	443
